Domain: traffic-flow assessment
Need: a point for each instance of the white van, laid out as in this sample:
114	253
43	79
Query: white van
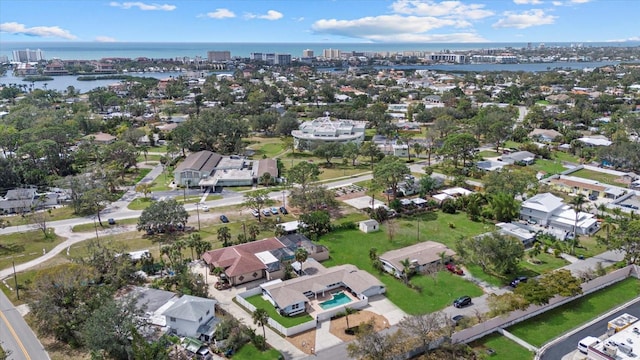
584	344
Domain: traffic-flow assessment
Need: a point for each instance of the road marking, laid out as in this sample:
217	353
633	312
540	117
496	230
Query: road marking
15	336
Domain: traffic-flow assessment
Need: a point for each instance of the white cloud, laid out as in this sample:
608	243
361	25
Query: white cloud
448	9
557	3
569	2
385	27
438	38
270	15
524	19
221	14
39	31
105	39
143	6
527	2
580	1
633	38
299	19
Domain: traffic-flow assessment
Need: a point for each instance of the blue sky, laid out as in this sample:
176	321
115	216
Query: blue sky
320	20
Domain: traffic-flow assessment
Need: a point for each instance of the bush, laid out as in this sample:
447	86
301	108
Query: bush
349	225
449	206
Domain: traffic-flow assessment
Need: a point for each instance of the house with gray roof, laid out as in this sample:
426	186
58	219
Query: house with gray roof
192	316
419	255
293	296
196	166
519	157
549	211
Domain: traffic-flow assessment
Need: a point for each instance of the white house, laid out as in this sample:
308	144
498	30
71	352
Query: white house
26	199
368	226
549	211
523	157
192	316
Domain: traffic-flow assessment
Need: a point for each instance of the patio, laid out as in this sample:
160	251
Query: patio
314	307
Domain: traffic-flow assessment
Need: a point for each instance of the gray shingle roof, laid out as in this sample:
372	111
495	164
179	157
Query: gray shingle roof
191	308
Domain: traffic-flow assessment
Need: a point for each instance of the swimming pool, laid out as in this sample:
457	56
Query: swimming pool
337	300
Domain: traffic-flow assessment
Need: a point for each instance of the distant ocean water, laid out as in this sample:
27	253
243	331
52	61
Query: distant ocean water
161	50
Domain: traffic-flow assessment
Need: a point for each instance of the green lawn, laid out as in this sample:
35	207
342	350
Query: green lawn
139	203
270	150
141	173
603	178
563	156
488	154
504	349
548	262
59	213
25	246
589	246
542	328
352	247
286	321
250	352
548	166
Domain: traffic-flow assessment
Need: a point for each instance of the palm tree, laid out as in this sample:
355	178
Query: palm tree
192	242
406	270
608	227
301	256
254	231
348	311
224	235
577	203
418	149
261	318
535	251
602	208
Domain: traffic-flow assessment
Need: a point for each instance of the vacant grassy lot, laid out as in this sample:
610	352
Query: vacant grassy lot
563	156
286	321
548	166
250	352
59	213
25	246
503	348
541	329
488	154
603	178
91	226
352	247
548	262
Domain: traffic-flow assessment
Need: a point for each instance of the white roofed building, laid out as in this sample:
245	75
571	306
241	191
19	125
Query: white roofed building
323	130
549	210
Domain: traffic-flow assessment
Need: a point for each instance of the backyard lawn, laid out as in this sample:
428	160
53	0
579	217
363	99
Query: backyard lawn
503	348
250	352
548	262
542	328
548	166
603	178
352	247
286	321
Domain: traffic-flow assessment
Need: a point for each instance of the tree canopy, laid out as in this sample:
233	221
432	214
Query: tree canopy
163	216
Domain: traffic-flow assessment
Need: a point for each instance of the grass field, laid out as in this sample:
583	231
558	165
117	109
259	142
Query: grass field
548	262
286	321
91	226
563	156
603	178
545	327
548	166
59	213
503	348
488	154
25	246
352	247
250	352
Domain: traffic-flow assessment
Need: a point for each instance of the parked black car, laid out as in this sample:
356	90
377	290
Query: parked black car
462	301
518	280
283	210
224	219
111	221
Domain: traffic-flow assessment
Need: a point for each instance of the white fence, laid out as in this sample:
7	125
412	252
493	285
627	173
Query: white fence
487	327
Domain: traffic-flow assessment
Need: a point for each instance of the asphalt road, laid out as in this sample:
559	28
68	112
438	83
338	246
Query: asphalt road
16	336
597	329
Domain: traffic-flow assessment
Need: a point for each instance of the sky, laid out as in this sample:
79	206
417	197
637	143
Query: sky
310	21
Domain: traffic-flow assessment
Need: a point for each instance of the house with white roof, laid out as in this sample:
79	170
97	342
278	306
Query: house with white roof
550	211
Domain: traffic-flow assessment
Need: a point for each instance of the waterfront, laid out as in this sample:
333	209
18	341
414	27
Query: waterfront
161	50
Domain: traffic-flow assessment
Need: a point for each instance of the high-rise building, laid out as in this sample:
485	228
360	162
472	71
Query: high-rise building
4	59
255	56
214	56
307	53
282	59
28	55
331	53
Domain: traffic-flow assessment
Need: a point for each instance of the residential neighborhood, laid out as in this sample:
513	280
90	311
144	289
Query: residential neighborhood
282	207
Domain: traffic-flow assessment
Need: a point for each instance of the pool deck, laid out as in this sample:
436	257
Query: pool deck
314	304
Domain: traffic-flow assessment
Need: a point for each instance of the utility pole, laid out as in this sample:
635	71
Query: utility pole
198	212
15	279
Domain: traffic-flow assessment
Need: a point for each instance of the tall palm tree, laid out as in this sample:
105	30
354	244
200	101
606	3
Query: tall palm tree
348	311
406	270
192	242
261	318
577	203
224	235
602	208
301	256
608	227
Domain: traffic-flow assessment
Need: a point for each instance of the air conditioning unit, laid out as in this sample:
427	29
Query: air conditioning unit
610	349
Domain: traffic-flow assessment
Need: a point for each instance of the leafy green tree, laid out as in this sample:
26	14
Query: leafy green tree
533	292
626	239
303	174
161	216
62	299
561	282
141	349
350	151
510	181
504	207
373	345
258	200
459	146
389	172
494	253
317	223
505	303
110	326
370	150
328	151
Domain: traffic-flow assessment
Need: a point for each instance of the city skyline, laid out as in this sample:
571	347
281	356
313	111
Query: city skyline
347	21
